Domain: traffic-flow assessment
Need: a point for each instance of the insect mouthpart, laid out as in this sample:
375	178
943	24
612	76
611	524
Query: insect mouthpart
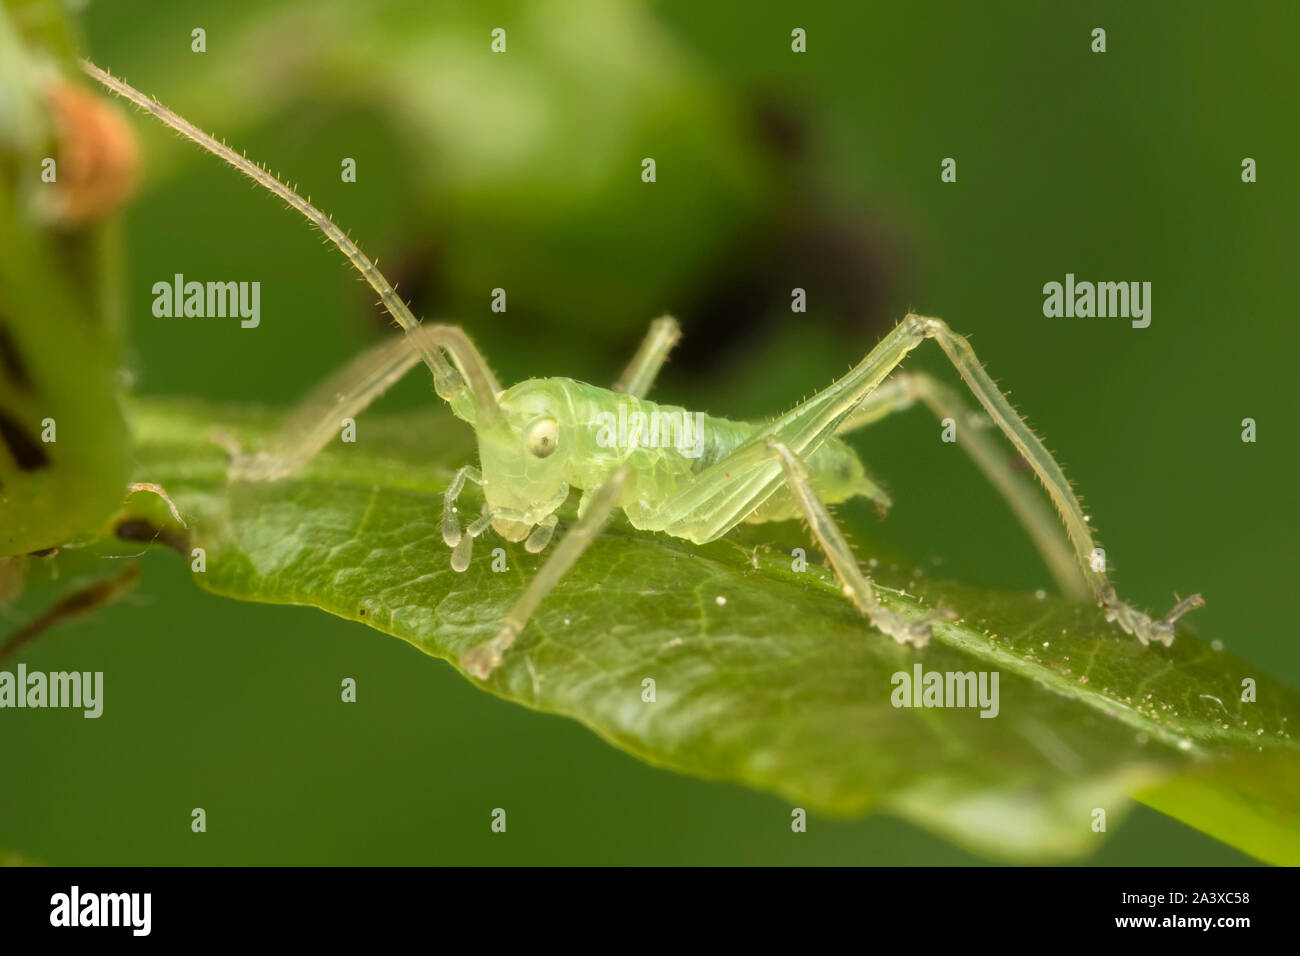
511	530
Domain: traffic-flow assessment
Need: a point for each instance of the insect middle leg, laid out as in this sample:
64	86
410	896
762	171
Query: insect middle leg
832	543
641	372
483	659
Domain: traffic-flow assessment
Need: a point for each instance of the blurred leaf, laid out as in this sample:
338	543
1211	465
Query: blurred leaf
10	858
1251	801
763	676
60	331
525	166
60	334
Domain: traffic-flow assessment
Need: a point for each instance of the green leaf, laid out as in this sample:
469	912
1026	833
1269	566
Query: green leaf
763	675
545	184
58	328
10	858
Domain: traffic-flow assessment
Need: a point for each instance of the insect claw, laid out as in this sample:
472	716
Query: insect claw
1163	629
1182	607
1142	626
916	633
482	660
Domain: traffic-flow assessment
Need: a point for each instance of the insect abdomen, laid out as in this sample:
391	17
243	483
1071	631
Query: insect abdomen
669	447
837	475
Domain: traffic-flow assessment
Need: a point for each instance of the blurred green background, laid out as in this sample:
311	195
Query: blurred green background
775	170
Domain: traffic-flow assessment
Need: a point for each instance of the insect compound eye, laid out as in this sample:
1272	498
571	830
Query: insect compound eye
543	437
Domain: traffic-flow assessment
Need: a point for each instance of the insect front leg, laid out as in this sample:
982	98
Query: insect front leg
831	540
542	519
482	660
463	549
450	524
316	419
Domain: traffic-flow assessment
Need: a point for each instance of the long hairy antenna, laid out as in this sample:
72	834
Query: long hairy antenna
392	302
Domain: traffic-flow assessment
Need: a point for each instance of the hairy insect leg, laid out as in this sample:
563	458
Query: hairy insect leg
903	389
641	372
831	541
892	395
988	394
317	418
729	490
482	660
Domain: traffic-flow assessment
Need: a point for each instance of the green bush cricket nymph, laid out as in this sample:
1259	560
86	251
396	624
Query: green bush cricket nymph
541	438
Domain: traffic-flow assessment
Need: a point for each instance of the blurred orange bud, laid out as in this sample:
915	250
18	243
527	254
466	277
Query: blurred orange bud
98	160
